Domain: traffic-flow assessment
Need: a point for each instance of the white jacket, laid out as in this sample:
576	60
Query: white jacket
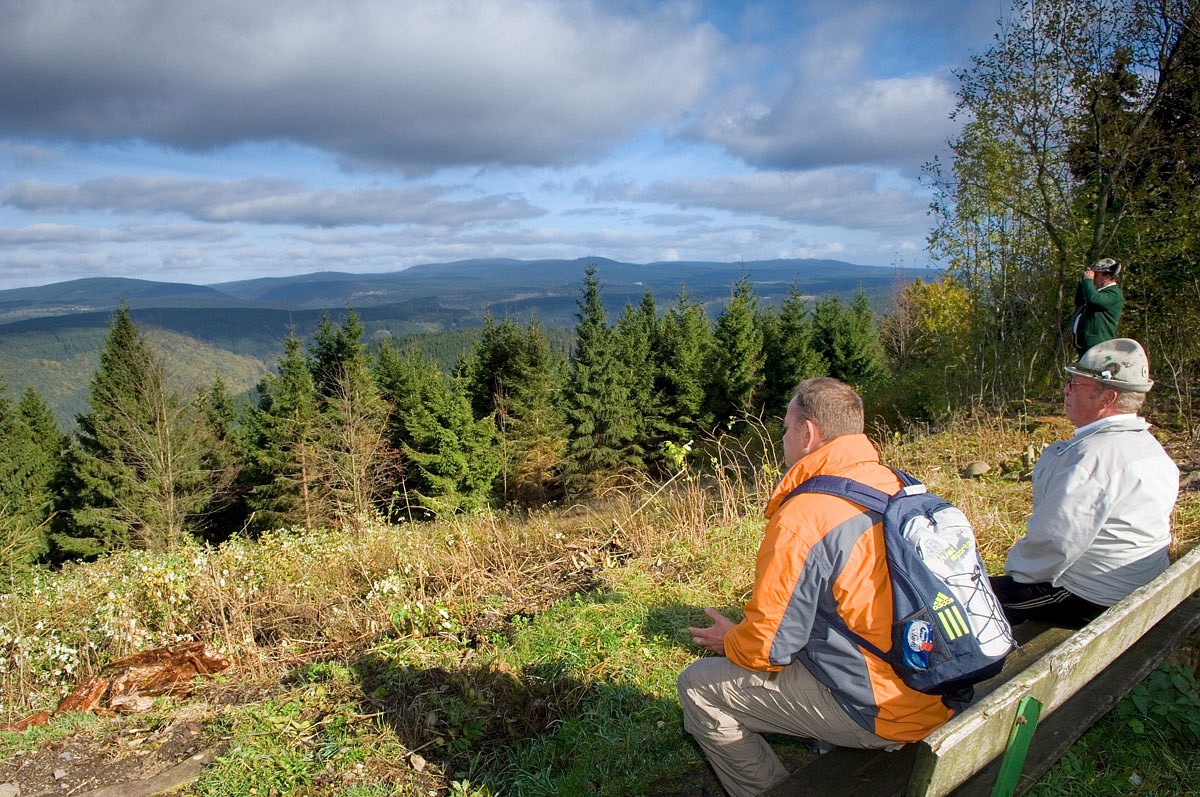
1101	519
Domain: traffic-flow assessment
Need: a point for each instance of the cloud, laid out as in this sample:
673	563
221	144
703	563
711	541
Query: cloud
29	155
266	201
864	84
846	198
61	234
411	85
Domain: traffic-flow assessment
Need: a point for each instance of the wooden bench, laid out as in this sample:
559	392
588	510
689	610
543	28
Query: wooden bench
1077	677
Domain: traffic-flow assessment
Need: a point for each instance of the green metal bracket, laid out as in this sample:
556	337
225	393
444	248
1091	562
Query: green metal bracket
1015	751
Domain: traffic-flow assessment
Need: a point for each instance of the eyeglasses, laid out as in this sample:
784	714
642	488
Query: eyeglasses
1076	383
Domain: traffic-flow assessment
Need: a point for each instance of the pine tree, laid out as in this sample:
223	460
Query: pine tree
355	461
848	339
449	457
737	367
281	446
601	446
31	445
788	354
683	350
138	473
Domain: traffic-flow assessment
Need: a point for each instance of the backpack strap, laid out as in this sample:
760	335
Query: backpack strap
854	492
871	500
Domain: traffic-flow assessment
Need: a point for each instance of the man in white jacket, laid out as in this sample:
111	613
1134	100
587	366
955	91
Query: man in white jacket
1102	500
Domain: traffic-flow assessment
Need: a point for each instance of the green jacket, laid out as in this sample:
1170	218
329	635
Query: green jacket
1096	314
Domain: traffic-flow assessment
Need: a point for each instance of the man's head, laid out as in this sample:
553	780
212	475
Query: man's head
1106	271
821	410
1111	378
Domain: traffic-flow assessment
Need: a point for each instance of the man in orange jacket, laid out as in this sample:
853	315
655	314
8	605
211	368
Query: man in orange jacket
784	668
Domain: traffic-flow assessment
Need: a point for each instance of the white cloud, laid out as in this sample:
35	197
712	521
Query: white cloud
266	202
842	98
852	199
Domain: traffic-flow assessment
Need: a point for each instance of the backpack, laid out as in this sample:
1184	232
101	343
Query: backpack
948	630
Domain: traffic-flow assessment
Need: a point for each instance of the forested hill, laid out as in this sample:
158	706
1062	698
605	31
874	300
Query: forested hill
423	294
50	335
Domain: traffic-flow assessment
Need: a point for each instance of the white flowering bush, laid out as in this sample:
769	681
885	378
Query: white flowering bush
291	592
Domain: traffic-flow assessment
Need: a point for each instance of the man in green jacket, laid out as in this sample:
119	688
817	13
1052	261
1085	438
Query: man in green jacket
1098	303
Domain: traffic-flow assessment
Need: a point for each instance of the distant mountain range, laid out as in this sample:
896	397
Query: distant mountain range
50	335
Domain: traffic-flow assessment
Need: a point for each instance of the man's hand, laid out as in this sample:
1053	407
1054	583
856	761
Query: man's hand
1088	274
713	637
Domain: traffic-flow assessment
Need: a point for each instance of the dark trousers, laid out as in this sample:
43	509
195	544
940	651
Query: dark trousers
1044	602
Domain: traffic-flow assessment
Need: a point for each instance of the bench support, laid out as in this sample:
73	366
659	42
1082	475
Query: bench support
1013	761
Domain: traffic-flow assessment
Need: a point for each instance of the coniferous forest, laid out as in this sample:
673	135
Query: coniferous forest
340	432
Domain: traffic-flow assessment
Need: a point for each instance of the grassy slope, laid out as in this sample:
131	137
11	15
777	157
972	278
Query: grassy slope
491	654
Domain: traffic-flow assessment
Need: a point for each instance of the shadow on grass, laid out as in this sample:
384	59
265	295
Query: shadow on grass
669	623
536	731
550	728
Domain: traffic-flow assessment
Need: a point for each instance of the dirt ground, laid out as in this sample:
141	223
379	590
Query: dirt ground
95	756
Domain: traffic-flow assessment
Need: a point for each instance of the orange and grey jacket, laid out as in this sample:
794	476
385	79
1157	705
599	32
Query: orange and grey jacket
823	553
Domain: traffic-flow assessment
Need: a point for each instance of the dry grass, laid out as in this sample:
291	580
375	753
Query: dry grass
297	596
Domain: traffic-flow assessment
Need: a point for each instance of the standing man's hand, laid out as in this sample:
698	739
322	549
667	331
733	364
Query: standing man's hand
1088	274
713	637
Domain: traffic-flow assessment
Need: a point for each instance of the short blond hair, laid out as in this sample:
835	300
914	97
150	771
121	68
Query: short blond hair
832	405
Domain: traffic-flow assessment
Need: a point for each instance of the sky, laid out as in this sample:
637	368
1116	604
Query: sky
204	141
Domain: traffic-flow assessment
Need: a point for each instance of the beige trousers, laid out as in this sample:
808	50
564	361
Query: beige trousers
727	708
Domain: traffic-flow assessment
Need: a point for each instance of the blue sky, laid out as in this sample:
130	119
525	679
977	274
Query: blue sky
211	140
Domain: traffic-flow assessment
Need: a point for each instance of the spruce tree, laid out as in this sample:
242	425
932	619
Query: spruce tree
31	445
635	339
228	511
449	458
138	474
788	353
357	465
493	366
537	428
281	448
513	378
601	447
848	338
737	363
683	351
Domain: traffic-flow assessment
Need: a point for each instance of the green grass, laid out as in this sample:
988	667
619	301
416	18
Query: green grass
1149	744
494	654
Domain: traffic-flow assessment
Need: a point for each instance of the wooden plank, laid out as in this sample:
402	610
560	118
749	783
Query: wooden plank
965	745
848	772
1056	733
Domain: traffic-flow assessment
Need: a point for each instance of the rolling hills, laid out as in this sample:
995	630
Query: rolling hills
50	335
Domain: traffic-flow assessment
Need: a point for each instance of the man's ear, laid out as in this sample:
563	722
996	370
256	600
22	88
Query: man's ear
812	436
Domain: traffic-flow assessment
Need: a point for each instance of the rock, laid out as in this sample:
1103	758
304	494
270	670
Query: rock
417	762
975	469
1190	479
10	790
